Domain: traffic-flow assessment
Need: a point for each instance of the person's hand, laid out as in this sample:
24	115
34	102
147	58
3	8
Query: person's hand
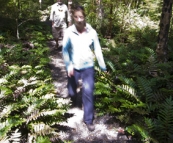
70	71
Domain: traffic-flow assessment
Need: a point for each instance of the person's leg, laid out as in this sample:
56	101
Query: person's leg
72	86
87	95
61	36
62	32
56	34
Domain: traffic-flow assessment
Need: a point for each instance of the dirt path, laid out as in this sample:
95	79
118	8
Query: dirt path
74	130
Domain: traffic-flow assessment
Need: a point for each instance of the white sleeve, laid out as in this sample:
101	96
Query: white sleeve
51	13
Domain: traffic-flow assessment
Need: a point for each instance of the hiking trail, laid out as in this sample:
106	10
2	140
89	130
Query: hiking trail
74	130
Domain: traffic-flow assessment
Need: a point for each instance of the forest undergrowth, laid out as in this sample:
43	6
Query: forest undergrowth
136	90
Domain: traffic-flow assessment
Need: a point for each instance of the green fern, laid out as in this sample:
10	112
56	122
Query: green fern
28	104
43	140
164	122
145	89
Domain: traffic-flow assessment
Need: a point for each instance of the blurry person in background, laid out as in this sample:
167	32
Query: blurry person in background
79	43
60	18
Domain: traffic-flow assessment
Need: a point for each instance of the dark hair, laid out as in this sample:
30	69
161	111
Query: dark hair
78	8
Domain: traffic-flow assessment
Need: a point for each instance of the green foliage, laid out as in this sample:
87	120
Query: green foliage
42	140
164	120
137	90
28	104
15	13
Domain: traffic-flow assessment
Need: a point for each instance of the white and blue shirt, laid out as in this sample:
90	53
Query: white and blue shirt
79	49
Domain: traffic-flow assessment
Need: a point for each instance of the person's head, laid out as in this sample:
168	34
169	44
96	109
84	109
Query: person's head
60	2
78	15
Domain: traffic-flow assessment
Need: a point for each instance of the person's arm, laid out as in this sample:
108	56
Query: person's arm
98	53
52	12
67	54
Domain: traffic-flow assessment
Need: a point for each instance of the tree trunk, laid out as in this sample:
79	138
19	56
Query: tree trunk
109	30
17	30
17	19
70	5
162	47
99	11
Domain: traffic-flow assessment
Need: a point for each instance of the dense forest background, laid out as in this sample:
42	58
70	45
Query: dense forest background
136	38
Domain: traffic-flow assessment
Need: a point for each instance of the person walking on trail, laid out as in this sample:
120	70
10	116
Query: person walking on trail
60	17
79	43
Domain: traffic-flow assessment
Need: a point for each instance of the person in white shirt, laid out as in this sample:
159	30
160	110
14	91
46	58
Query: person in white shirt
59	16
79	43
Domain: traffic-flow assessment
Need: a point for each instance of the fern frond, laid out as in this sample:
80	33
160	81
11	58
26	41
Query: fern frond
3	124
6	111
165	113
102	88
48	96
3	80
127	81
30	109
4	140
4	91
128	91
62	101
152	61
113	109
34	115
42	139
164	122
52	112
149	124
15	136
136	107
43	129
26	67
138	129
14	69
145	88
5	127
36	103
111	65
158	96
137	68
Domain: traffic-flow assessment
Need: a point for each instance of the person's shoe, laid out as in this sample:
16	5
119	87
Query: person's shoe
90	127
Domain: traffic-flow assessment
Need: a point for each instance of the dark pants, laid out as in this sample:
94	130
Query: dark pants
87	76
